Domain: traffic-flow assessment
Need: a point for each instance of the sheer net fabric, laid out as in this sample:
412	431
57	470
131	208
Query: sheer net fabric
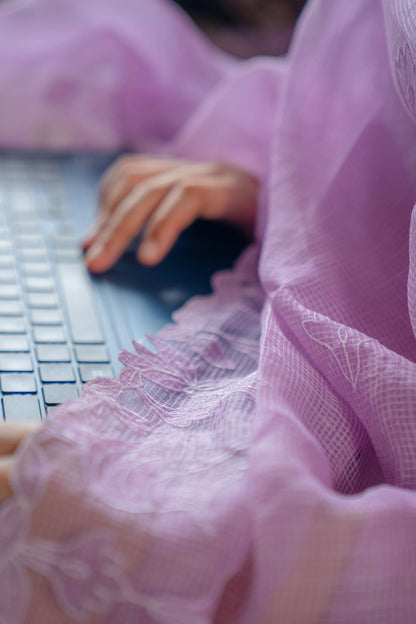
260	466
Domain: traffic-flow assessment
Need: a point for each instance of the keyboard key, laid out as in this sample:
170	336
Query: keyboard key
79	303
11	307
64	226
66	242
55	216
90	371
27	226
6	260
21	408
14	383
23	200
54	202
58	393
56	372
68	255
12	325
39	284
30	241
24	217
52	353
9	291
13	343
7	276
91	353
5	247
48	333
38	255
36	268
42	300
16	362
48	316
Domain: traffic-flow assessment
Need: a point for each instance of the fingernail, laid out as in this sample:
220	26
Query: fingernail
89	235
86	243
149	251
94	252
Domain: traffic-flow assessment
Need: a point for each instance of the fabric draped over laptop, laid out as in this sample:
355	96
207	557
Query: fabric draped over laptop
261	465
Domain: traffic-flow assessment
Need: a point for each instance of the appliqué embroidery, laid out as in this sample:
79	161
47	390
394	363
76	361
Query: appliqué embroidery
345	351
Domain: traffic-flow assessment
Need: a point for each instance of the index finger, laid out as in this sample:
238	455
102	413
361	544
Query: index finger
119	181
136	168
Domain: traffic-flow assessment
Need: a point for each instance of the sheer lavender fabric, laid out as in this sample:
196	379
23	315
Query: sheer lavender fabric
261	466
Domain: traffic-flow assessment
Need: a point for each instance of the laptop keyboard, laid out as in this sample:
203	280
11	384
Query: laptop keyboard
51	341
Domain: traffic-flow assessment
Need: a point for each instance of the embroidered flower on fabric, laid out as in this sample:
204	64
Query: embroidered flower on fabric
85	573
172	469
341	343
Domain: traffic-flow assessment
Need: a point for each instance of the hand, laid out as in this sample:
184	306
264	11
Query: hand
10	438
163	197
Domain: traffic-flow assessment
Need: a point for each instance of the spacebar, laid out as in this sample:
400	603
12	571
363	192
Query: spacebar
79	303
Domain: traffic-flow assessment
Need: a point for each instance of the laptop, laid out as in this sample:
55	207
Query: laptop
59	326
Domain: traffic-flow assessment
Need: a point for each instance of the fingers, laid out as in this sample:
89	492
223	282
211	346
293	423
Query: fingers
6	464
129	217
123	225
12	435
198	196
175	213
137	166
165	196
120	179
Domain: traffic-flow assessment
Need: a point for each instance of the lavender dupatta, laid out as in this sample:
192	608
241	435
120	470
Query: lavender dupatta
261	466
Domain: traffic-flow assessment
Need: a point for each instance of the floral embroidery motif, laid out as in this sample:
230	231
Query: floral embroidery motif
344	349
85	572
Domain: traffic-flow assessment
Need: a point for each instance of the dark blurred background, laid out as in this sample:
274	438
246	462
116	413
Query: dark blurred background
246	27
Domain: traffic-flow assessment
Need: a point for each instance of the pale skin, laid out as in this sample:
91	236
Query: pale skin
157	198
